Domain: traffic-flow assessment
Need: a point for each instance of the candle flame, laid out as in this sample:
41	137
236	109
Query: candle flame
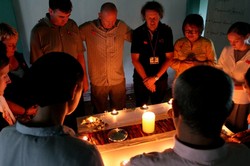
85	138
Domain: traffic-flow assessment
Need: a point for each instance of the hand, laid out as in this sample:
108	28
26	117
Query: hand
32	110
150	83
241	137
8	118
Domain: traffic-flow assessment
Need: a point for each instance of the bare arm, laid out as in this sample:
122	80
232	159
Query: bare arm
166	64
150	82
81	60
19	110
138	66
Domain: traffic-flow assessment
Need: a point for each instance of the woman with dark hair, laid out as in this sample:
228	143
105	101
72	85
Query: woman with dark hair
193	49
235	61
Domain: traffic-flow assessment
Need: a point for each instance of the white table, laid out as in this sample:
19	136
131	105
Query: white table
127	117
114	153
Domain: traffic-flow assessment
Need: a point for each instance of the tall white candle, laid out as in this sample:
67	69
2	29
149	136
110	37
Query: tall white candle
148	122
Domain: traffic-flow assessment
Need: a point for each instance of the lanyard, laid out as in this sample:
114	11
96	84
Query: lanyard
151	38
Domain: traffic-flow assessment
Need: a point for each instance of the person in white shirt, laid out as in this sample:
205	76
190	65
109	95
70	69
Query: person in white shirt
235	60
202	100
55	83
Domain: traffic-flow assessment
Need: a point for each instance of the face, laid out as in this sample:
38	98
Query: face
152	19
58	17
237	41
76	97
4	79
108	19
191	32
10	44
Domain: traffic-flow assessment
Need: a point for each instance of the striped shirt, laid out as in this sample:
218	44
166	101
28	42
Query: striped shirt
105	51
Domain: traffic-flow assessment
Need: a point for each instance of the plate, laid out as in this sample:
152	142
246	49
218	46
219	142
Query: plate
117	135
93	123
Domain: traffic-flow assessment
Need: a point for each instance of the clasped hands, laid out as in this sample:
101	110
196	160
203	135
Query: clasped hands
149	82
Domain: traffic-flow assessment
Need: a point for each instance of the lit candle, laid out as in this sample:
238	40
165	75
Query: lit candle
123	163
85	138
170	102
91	119
148	122
144	107
114	112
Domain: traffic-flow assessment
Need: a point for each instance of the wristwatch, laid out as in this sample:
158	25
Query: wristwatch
156	78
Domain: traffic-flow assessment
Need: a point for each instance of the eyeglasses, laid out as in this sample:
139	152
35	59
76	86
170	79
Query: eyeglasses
191	31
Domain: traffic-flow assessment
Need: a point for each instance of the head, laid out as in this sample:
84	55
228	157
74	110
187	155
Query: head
55	78
152	12
9	36
192	27
59	11
237	34
4	68
202	99
108	15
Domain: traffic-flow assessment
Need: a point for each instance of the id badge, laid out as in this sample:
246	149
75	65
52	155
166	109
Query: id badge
154	60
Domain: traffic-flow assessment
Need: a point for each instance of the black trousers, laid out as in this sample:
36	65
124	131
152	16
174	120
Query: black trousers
237	121
144	96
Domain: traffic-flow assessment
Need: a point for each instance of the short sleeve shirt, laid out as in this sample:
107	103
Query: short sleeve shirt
160	43
46	37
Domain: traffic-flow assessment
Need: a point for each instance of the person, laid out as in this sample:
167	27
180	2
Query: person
234	60
57	32
246	87
198	116
192	49
104	38
151	53
55	83
6	117
18	104
244	136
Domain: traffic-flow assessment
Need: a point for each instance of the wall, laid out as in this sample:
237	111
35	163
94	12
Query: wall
220	16
28	12
7	15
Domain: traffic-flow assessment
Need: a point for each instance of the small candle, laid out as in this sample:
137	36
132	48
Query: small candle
114	112
148	122
85	138
144	107
170	101
123	163
91	119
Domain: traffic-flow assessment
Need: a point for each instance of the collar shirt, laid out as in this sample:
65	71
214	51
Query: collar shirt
150	45
105	51
236	70
230	154
46	37
27	146
201	51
